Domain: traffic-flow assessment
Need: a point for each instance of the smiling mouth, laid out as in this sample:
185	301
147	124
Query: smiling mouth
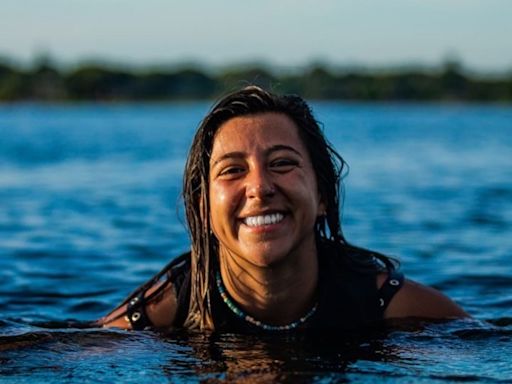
257	221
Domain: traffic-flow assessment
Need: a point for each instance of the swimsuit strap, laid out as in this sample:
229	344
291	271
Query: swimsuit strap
391	286
136	312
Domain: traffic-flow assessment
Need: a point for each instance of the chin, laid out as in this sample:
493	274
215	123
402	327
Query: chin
266	260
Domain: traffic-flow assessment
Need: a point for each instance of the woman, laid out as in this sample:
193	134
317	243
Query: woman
261	190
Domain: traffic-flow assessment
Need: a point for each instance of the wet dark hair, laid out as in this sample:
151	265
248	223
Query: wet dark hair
328	167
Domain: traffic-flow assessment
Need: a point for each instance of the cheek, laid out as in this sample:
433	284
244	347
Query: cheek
219	196
311	194
222	203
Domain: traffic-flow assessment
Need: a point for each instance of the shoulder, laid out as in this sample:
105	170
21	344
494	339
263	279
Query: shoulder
155	304
417	300
155	307
162	307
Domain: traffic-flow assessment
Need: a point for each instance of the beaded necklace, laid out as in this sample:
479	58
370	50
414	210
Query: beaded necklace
244	316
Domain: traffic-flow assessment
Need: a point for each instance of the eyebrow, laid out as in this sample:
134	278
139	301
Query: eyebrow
240	155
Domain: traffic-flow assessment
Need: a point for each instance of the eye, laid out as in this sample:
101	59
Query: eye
231	171
283	164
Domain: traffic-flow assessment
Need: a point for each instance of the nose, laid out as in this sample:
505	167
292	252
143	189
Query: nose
259	184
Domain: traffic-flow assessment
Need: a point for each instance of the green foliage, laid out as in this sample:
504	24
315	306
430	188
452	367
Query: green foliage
97	82
234	79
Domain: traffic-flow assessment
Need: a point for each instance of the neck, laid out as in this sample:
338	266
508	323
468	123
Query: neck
277	294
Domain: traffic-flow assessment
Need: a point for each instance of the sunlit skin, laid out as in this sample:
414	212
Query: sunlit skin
260	170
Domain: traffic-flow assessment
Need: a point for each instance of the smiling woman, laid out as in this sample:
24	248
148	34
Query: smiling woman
261	189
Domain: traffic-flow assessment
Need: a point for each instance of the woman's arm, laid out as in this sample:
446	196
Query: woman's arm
417	300
160	309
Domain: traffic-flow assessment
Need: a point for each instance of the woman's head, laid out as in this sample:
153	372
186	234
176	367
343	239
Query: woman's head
326	163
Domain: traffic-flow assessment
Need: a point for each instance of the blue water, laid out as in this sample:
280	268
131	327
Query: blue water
90	208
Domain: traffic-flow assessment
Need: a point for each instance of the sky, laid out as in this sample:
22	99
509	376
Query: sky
283	33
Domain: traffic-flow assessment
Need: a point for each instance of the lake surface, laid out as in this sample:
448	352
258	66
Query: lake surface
90	208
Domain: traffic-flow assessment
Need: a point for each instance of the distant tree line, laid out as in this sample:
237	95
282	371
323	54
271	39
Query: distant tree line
96	82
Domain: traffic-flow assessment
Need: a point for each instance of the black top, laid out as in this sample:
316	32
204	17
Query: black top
347	296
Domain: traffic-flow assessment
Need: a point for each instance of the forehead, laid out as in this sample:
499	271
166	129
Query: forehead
258	131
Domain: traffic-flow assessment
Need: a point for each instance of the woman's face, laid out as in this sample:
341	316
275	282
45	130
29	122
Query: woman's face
264	199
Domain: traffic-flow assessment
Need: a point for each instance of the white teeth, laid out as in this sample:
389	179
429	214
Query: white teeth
255	221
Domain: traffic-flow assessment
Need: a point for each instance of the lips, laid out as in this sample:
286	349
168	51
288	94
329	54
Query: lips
261	220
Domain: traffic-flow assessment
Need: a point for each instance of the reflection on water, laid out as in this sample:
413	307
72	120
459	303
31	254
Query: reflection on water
403	351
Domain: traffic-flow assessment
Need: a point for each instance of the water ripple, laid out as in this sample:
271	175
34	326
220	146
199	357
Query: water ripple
88	212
